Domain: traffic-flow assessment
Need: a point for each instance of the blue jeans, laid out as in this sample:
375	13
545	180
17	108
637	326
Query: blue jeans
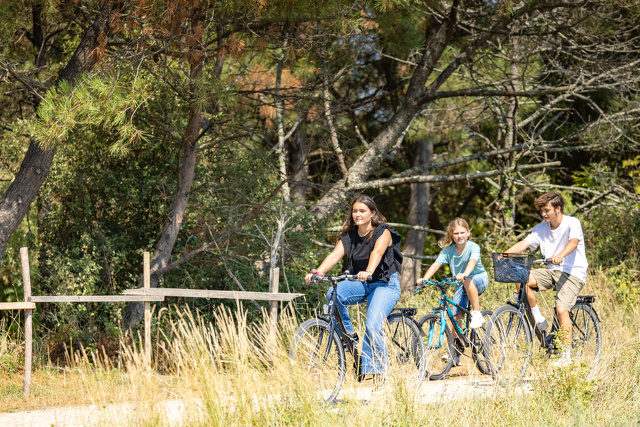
381	297
460	295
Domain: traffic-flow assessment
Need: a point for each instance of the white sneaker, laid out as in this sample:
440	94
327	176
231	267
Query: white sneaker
477	320
563	362
454	362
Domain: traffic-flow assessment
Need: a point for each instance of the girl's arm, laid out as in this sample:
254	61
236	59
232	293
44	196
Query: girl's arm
331	260
378	251
431	271
467	271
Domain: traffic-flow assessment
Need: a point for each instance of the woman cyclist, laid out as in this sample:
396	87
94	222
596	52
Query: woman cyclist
373	252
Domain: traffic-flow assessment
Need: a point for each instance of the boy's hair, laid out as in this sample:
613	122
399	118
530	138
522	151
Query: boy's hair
448	238
552	197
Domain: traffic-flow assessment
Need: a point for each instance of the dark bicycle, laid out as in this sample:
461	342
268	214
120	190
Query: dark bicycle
512	326
443	348
320	343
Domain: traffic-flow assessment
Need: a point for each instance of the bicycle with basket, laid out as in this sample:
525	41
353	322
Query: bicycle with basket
509	336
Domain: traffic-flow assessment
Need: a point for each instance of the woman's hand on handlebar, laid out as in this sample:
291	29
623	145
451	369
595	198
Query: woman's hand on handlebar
364	276
420	282
309	277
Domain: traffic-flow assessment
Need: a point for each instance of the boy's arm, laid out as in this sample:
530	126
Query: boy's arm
521	246
571	246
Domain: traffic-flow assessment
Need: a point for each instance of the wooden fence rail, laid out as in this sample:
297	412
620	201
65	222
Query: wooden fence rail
17	306
145	294
203	293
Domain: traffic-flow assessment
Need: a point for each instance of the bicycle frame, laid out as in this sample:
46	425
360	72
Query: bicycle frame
334	318
546	339
444	309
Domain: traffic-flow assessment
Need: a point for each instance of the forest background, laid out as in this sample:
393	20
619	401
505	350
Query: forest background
228	138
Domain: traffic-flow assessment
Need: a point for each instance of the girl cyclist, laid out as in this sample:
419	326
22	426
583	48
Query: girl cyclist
464	261
372	248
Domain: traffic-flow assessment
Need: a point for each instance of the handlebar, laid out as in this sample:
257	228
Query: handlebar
329	278
448	281
545	261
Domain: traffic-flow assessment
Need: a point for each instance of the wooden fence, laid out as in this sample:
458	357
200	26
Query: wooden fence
145	294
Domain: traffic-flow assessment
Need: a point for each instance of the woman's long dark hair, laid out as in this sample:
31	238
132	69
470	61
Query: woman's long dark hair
377	218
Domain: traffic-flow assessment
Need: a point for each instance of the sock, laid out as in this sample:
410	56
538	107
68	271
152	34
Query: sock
537	315
566	353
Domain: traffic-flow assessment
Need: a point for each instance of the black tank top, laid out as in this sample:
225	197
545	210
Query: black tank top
360	253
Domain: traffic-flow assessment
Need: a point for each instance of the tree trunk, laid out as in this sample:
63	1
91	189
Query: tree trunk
24	189
298	165
439	38
508	188
418	215
164	248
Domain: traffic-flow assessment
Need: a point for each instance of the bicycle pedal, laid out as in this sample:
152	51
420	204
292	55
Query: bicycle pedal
355	339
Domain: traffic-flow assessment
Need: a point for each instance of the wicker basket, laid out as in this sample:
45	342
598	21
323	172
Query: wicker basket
511	268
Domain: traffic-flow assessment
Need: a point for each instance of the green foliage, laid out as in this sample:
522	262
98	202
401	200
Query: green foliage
11	352
97	102
566	390
613	236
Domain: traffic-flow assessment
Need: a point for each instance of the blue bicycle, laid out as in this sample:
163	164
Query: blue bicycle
443	348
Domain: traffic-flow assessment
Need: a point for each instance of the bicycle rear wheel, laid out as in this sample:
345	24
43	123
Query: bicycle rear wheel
318	352
586	337
406	349
477	339
508	344
438	348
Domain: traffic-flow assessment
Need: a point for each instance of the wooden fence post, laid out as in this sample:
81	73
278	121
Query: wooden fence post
274	278
28	321
147	308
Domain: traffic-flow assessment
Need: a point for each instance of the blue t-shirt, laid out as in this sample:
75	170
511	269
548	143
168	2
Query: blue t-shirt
458	263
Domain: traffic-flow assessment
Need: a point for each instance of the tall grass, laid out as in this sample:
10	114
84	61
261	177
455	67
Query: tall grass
231	372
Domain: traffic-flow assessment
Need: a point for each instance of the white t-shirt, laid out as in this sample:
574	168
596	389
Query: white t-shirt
551	242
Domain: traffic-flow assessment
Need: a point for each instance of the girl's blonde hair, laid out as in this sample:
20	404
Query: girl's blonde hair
448	238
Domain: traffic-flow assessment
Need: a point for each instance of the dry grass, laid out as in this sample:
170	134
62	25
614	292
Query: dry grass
232	373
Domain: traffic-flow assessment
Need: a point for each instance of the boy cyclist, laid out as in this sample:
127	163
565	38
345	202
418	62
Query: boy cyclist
560	238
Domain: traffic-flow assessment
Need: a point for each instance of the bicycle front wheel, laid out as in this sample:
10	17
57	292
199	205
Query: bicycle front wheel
586	337
438	349
477	339
318	352
406	349
508	344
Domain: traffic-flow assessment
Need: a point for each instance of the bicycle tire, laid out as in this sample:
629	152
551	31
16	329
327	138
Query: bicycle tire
586	336
477	340
438	348
508	344
311	351
406	349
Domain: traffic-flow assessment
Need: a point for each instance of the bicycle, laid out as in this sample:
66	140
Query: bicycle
511	328
319	344
442	349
